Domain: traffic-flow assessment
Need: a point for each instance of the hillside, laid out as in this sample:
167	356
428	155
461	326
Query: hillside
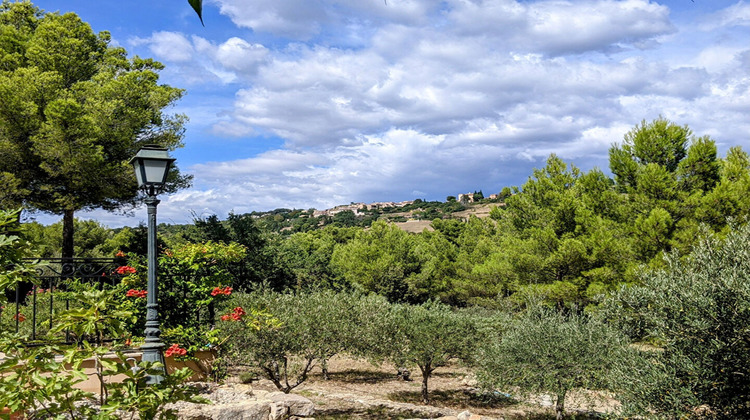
411	216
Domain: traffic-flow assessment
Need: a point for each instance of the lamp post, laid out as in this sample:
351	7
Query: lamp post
151	165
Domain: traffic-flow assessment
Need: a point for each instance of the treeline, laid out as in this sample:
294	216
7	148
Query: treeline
565	236
688	322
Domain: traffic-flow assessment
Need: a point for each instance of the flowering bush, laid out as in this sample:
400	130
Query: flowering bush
175	350
39	291
192	278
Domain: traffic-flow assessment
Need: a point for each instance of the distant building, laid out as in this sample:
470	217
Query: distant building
466	198
357	207
381	205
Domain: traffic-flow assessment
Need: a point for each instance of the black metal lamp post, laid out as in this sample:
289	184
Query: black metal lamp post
151	165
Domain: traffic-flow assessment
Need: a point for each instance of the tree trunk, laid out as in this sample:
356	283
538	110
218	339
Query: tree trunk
68	229
425	377
560	406
324	368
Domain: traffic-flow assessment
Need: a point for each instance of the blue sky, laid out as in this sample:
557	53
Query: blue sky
302	104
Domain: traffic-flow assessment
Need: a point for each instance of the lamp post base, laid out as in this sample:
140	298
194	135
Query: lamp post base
152	352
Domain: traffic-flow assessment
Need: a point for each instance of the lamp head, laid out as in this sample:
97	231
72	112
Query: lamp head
151	165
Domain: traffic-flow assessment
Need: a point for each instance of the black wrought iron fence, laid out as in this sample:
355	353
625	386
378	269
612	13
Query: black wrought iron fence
32	307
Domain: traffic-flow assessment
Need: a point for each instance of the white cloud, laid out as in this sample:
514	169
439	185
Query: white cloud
735	15
168	46
239	55
375	102
303	19
196	60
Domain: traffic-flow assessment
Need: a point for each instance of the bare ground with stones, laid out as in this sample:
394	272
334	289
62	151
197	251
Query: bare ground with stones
357	389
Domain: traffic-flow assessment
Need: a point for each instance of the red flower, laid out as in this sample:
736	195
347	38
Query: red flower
128	342
125	269
120	254
136	293
175	349
20	317
221	291
235	315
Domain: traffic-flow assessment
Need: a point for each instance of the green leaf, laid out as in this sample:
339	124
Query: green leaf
198	7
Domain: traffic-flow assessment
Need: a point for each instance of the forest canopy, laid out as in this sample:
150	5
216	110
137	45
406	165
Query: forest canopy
565	236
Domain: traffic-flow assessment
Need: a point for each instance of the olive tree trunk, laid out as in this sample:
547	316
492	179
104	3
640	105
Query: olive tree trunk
560	406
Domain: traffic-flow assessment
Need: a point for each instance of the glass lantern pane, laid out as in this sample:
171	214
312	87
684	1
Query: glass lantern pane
155	170
137	167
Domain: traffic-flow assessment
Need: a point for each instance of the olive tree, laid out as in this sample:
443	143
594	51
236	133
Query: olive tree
286	335
696	314
429	336
546	351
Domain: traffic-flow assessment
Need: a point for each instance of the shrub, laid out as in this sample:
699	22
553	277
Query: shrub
546	351
40	381
696	311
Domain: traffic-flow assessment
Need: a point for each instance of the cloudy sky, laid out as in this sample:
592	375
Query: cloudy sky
314	103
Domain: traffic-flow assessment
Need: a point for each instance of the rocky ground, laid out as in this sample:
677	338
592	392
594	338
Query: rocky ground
359	390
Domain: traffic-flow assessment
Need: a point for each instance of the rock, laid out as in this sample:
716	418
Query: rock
288	405
465	415
250	410
470	380
241	403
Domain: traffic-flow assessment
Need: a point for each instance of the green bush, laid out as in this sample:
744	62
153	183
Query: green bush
274	344
696	313
40	380
546	351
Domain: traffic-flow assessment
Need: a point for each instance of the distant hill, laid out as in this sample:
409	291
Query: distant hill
412	216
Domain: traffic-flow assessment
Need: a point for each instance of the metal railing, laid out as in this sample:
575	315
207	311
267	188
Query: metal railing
53	279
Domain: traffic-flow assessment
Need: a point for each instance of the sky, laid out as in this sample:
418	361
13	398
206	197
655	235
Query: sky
314	103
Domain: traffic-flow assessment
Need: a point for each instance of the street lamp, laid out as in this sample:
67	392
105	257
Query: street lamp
151	165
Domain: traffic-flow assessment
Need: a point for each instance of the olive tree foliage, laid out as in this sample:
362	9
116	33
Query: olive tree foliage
429	336
546	351
696	311
286	335
73	111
